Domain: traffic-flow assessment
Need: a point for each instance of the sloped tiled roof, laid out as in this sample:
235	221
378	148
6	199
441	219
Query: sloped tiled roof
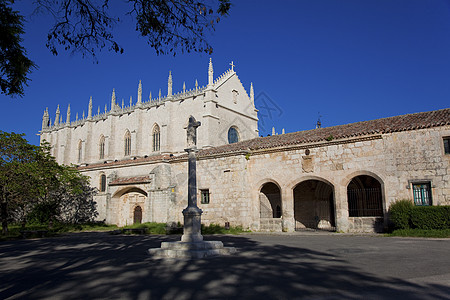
379	126
130	180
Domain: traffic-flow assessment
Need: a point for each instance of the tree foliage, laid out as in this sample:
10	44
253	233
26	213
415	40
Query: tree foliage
33	185
14	64
86	26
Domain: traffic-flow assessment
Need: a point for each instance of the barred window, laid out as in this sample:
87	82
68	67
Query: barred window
204	196
422	194
447	145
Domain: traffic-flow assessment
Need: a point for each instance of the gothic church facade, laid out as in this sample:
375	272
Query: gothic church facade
337	178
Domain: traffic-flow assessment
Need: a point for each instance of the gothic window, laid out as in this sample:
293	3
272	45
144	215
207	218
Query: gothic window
422	193
102	183
80	151
156	138
127	143
233	136
102	147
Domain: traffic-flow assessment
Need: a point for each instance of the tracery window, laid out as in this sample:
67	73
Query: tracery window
156	138
102	147
127	143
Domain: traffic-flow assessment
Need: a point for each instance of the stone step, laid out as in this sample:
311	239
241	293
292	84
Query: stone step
270	225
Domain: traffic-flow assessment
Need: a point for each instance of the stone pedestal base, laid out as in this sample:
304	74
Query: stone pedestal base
191	249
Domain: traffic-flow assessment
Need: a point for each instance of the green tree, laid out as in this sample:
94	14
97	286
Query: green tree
85	26
14	64
32	181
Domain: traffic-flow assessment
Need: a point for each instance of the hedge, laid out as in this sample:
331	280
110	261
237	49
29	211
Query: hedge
404	215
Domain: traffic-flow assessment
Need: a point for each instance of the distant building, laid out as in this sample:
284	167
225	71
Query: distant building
336	178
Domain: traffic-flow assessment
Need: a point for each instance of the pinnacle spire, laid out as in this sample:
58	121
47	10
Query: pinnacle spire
150	96
139	99
68	115
159	95
57	115
131	101
184	87
196	84
252	93
113	100
45	119
210	73
169	84
90	108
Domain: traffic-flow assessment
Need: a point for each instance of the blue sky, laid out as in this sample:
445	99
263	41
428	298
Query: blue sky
347	60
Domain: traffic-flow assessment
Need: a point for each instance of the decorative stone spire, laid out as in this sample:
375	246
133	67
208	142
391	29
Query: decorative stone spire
282	131
57	115
90	108
273	130
123	103
113	100
60	120
76	117
169	85
131	101
159	95
68	115
252	93
184	87
98	110
150	96
210	73
106	108
196	84
139	99
83	115
45	119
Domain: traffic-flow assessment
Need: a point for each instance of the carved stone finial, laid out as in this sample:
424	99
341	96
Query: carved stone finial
139	99
113	100
83	115
196	84
45	119
98	110
184	87
68	115
273	130
169	84
76	117
159	95
232	66
210	73
252	93
106	108
57	115
150	96
131	101
90	108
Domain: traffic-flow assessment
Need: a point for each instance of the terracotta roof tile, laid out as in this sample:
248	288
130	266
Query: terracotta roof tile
130	180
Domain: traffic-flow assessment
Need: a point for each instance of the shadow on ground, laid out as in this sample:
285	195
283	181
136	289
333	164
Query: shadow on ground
99	265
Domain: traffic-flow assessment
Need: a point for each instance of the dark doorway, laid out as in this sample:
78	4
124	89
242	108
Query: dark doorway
270	201
314	205
137	217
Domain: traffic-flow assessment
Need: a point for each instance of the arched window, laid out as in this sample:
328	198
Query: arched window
102	183
80	151
127	143
102	147
233	136
156	138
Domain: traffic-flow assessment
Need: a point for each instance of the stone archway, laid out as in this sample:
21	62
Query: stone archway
270	207
270	201
314	205
364	196
127	202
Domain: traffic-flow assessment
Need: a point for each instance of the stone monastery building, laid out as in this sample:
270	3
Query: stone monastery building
336	178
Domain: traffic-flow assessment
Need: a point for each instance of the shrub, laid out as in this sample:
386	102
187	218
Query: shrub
430	217
400	214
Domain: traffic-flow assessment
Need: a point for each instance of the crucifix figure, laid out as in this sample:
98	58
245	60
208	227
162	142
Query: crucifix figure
192	132
232	66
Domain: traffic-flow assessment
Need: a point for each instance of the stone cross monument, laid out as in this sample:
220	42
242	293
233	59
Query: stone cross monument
191	244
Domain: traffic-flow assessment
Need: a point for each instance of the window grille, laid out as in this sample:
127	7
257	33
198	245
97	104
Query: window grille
422	194
447	145
204	196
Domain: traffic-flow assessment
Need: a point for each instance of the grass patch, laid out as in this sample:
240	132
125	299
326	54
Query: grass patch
432	233
217	229
151	227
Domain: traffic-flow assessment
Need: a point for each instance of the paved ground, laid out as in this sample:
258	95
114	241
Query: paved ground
308	266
